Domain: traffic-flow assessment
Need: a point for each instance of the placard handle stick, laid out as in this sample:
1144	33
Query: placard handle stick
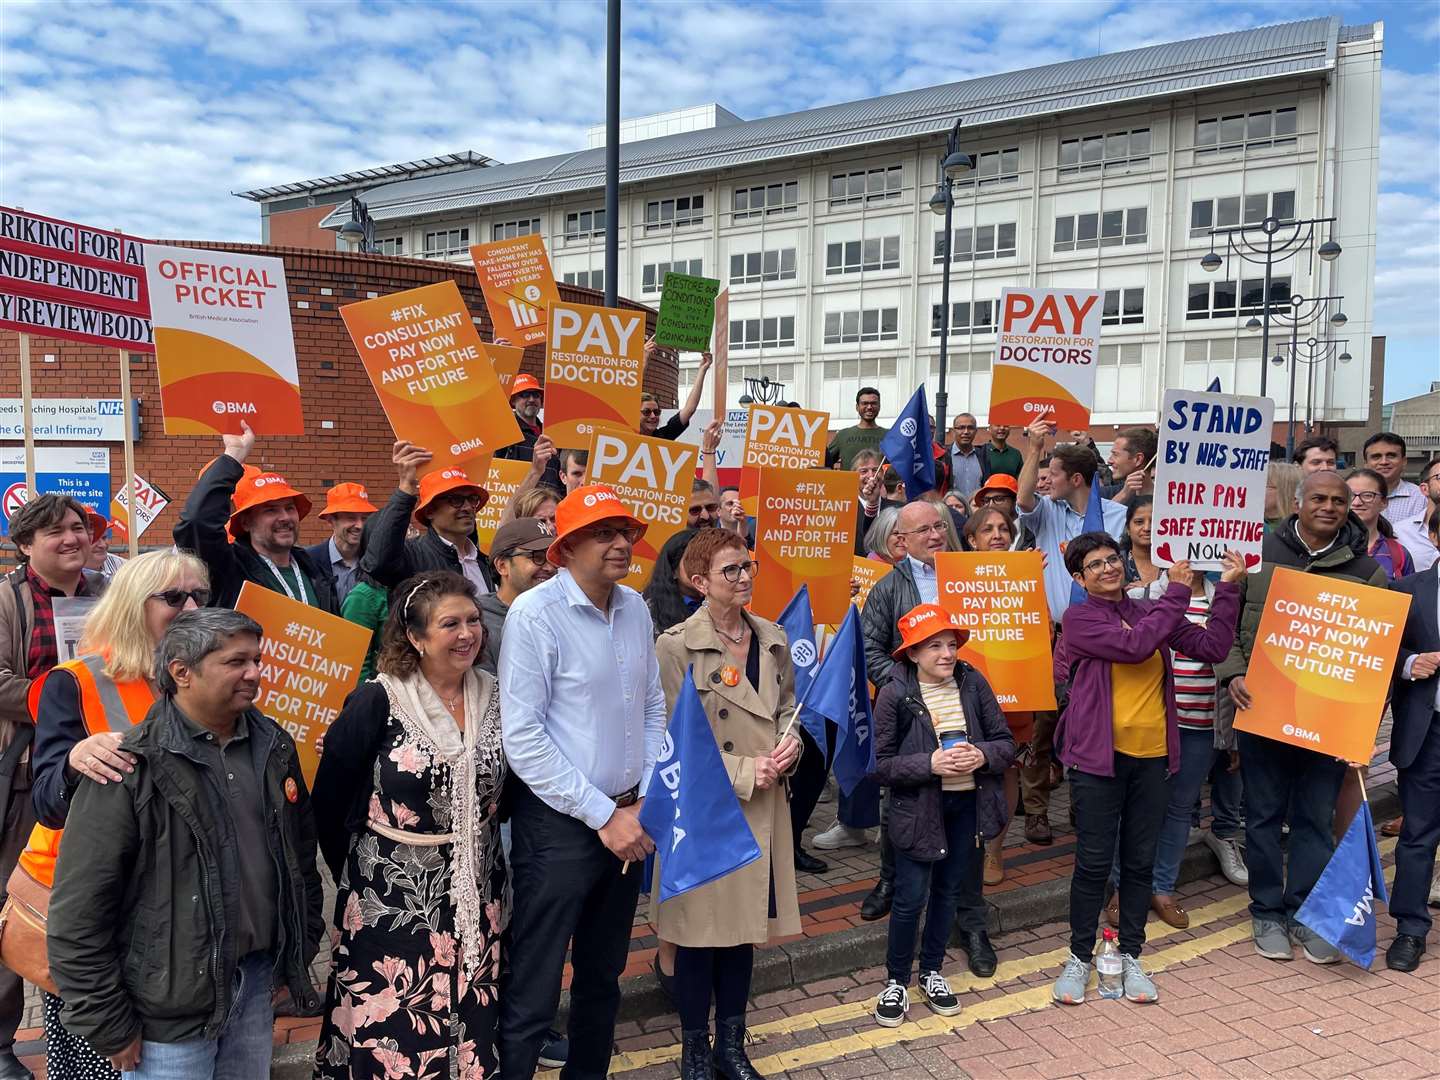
1360	776
127	411
28	418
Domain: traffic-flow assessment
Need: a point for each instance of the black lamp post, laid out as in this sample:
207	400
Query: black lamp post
1266	243
952	167
359	231
1310	351
762	390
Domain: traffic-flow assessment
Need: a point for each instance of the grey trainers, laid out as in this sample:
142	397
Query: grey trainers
1316	949
1138	985
1272	941
1232	863
1069	988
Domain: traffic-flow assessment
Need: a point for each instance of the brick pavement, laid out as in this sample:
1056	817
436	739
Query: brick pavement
831	903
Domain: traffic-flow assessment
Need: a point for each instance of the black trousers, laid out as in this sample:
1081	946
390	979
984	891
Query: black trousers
808	780
1419	836
19	821
567	885
706	975
1131	805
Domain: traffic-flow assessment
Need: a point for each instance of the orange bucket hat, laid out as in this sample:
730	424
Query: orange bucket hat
257	489
923	622
98	523
521	383
347	498
585	506
1001	482
435	484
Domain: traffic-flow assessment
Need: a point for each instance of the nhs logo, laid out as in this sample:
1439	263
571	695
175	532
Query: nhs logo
110	407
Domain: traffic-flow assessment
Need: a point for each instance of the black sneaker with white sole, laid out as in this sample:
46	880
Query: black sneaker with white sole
893	1005
937	994
554	1050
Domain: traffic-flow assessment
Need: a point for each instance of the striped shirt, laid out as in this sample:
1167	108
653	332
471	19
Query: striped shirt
1195	683
942	701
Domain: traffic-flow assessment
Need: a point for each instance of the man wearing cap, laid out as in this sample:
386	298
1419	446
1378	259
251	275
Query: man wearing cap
583	715
258	542
444	504
526	398
346	508
518	557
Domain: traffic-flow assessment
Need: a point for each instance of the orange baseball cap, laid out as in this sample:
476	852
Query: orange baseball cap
347	498
923	622
522	382
257	489
585	506
437	483
1001	482
248	470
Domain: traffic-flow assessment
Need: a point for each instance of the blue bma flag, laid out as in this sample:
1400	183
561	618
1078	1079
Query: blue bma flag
1094	522
691	812
1341	906
909	448
841	693
798	622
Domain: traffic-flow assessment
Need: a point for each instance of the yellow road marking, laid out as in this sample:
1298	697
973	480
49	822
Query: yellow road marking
1026	1000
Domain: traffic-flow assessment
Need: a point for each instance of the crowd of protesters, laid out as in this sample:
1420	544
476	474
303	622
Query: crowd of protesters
477	802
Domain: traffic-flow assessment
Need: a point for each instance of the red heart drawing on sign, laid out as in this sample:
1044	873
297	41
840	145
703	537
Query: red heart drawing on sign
1163	550
1251	560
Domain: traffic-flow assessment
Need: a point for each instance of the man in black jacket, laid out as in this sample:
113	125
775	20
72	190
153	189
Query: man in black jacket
188	890
526	399
1415	753
265	526
1287	784
444	503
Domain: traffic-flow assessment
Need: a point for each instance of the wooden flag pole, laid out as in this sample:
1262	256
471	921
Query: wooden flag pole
27	417
127	409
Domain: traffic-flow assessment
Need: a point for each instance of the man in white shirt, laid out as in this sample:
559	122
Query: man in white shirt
1058	518
583	717
1407	506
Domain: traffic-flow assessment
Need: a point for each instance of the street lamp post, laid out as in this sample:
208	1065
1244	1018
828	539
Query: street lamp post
1264	243
955	164
359	232
762	390
1302	312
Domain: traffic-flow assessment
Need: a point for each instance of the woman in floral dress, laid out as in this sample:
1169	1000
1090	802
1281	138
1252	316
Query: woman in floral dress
406	799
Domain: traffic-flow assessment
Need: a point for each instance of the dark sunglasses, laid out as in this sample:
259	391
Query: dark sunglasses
536	557
176	597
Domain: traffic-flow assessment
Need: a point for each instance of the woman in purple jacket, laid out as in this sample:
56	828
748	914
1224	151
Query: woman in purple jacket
1119	738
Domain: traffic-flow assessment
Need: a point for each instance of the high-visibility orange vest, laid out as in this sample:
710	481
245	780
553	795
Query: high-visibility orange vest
105	705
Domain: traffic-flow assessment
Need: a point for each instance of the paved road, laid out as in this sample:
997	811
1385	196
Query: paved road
1224	1012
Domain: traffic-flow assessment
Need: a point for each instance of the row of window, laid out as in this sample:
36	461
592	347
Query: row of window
586	279
652	275
1222	299
1206	214
1110	228
978	243
867	324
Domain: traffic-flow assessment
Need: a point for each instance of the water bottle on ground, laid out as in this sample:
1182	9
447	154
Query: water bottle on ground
1108	965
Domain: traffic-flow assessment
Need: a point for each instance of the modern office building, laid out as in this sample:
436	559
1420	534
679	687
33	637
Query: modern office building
1106	172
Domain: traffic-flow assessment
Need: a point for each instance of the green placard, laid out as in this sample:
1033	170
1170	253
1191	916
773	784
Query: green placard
687	312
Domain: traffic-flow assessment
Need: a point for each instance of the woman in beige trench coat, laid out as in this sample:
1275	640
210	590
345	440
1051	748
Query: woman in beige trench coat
746	684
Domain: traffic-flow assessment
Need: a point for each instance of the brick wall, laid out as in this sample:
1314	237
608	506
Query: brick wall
301	228
333	384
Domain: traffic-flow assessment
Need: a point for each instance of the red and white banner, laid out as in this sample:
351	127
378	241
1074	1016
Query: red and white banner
59	279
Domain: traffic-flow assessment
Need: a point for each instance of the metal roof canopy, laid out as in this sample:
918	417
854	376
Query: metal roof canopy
380	172
1306	46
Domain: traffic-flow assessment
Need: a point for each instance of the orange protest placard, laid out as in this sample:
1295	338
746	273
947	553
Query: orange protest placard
653	477
431	373
805	535
519	287
1000	597
868	573
502	479
592	375
309	661
506	359
777	437
1321	663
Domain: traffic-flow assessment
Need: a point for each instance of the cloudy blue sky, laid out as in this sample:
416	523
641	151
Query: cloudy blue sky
146	116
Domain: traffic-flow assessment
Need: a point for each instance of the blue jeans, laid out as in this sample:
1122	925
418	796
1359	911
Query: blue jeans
1286	784
941	883
1227	795
243	1050
1197	753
